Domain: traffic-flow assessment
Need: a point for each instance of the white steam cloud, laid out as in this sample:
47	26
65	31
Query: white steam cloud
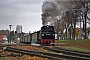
51	9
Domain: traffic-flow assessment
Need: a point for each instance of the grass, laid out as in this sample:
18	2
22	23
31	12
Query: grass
61	41
77	48
86	41
81	45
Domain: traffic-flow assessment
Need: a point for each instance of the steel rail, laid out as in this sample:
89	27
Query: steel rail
46	55
68	52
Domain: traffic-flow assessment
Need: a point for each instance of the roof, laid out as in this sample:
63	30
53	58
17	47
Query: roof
1	37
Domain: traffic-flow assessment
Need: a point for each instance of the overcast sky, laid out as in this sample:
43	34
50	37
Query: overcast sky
21	12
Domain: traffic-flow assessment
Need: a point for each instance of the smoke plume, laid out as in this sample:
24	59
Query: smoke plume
51	9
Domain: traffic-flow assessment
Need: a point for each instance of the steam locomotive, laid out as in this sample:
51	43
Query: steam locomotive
45	36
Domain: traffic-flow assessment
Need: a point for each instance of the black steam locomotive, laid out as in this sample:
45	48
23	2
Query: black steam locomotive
45	36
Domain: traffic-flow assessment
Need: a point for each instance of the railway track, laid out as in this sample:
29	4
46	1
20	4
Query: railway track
55	56
56	53
68	52
85	54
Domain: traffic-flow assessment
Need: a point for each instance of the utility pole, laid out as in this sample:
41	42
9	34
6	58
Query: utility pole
10	33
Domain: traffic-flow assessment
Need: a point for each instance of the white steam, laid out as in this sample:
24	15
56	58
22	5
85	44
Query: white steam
51	9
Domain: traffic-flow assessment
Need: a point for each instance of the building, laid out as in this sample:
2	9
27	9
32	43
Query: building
3	37
4	32
19	29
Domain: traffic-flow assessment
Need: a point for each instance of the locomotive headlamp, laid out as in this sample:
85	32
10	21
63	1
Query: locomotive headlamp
42	34
47	25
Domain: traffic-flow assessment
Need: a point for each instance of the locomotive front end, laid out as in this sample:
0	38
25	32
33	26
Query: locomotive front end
47	35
